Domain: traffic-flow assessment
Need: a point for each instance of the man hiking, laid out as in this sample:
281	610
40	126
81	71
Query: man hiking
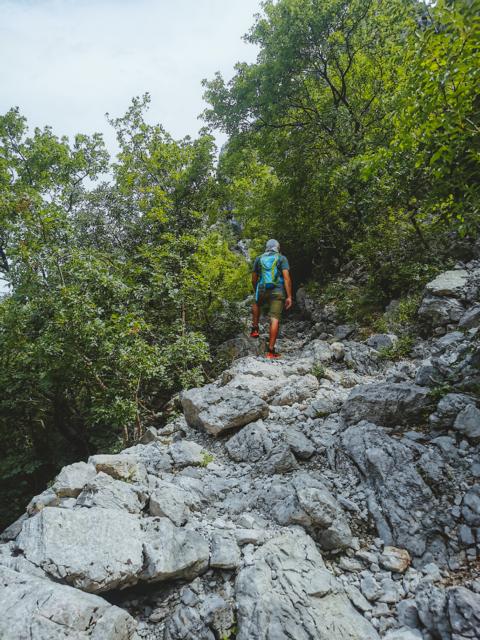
273	289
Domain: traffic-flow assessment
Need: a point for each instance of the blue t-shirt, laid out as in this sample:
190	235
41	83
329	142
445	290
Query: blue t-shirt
282	264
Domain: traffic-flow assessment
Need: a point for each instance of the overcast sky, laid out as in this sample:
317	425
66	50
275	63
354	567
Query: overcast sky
67	62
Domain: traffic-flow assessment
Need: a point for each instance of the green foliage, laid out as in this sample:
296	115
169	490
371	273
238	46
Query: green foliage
207	458
355	135
117	291
318	370
400	349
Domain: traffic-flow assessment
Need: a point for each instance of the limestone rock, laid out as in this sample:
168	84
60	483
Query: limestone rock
450	283
467	422
327	516
186	453
464	612
471	506
170	501
120	466
471	318
448	408
12	531
382	341
171	552
251	444
287	593
404	634
40	609
387	403
47	498
220	409
225	552
362	358
401	503
394	559
440	311
296	389
105	492
92	549
71	479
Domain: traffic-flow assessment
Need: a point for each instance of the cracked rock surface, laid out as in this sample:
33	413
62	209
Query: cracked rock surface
329	495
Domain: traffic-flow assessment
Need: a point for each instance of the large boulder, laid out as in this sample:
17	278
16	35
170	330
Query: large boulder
172	552
450	283
92	549
449	613
260	443
387	403
295	389
121	466
72	478
172	502
440	311
305	501
467	422
448	408
106	492
286	592
405	510
41	609
218	409
471	318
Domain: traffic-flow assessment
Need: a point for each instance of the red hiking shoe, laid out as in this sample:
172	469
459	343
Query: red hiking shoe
272	354
254	332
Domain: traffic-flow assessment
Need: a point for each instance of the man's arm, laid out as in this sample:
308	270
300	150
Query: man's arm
254	280
288	288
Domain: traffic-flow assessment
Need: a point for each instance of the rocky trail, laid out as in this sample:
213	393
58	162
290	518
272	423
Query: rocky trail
329	495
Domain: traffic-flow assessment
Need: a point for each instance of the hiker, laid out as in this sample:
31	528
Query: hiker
273	289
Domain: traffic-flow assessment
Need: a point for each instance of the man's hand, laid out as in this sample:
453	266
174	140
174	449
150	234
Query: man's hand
288	303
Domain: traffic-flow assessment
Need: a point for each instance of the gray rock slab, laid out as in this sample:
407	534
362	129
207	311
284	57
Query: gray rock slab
287	593
402	505
171	552
471	318
361	358
471	506
71	479
220	409
12	531
92	549
464	612
448	408
36	609
120	466
467	422
186	453
387	403
225	553
295	389
381	340
106	492
449	283
170	501
440	311
251	444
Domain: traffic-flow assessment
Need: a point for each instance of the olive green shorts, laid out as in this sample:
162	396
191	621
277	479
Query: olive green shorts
271	303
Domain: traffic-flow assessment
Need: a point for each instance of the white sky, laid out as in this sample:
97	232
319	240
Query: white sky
67	62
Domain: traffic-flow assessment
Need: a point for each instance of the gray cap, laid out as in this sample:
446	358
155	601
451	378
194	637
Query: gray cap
272	245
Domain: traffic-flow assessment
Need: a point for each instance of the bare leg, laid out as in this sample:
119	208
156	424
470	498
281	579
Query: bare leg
255	314
274	327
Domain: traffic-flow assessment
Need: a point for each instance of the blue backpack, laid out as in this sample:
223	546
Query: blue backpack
270	275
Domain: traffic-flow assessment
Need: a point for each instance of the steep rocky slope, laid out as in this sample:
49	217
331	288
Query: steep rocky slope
331	495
